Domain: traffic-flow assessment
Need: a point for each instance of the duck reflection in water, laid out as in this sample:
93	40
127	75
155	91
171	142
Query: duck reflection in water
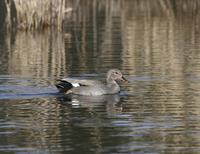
88	101
91	93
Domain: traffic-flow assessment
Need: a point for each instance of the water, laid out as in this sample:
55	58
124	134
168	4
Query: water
157	112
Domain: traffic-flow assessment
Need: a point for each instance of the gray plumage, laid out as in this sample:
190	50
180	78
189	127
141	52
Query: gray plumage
92	87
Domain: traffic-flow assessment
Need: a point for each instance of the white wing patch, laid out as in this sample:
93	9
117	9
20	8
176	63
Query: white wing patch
75	84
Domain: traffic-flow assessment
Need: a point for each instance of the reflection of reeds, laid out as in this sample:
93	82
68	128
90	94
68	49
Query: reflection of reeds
40	55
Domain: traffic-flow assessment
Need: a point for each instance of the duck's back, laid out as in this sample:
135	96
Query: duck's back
96	90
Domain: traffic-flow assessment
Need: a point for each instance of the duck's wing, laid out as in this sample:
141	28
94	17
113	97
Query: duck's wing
64	85
81	82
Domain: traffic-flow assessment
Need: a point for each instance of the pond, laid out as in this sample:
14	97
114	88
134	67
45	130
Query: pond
158	111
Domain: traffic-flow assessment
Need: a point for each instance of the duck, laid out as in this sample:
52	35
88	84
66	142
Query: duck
92	87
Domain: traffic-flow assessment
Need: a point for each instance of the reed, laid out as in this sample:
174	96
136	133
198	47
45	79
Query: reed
39	14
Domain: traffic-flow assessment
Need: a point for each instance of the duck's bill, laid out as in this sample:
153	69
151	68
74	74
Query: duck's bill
124	79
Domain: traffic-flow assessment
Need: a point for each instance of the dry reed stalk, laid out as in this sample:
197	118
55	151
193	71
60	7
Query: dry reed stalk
38	14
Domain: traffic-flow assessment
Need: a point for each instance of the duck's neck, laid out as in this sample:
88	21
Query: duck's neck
112	86
110	81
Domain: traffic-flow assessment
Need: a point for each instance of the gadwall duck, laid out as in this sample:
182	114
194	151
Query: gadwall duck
92	87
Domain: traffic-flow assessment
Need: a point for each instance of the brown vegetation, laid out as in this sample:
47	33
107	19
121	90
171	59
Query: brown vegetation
36	14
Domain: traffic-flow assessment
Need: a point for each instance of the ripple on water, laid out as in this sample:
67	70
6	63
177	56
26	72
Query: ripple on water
25	88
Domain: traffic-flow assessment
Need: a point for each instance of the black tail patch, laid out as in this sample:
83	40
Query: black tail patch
63	86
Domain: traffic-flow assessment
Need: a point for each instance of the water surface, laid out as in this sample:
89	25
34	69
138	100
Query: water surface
157	112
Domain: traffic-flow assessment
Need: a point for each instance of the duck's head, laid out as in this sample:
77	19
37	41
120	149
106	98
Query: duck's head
115	75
